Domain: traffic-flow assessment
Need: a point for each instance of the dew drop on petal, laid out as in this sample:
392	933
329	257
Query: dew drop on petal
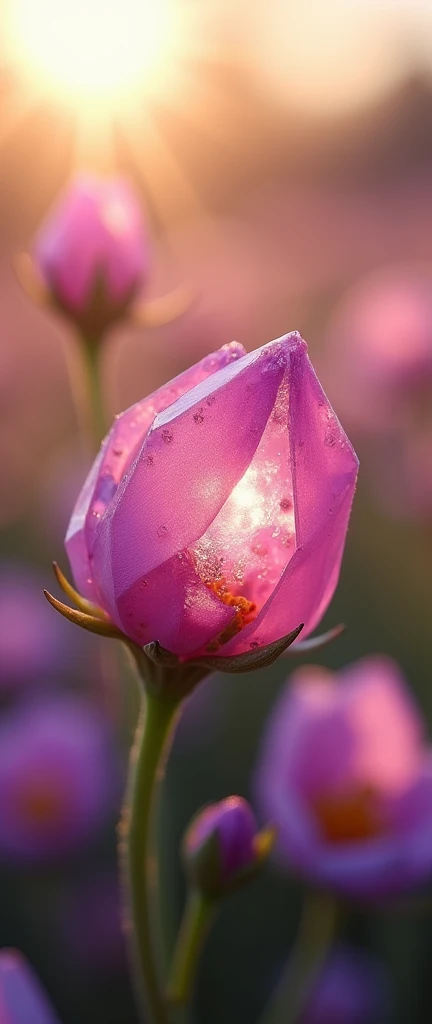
285	504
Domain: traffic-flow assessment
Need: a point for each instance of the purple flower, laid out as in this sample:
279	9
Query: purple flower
346	775
215	514
351	989
58	779
231	830
32	645
93	251
22	1000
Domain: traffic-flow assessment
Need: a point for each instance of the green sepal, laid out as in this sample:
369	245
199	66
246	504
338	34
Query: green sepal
92	623
204	867
315	643
260	657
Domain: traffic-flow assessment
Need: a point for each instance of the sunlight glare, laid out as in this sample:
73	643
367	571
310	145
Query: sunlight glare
98	51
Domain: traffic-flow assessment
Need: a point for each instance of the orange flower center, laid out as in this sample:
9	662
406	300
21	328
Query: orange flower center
350	816
41	804
245	612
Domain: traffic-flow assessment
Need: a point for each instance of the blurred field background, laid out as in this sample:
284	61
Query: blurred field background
283	155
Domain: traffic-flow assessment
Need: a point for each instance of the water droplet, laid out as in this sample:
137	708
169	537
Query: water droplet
285	504
254	644
259	549
105	489
162	531
210	364
330	438
167	436
143	584
198	416
96	515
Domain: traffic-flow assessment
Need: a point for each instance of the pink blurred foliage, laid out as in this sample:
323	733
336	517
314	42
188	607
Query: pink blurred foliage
380	356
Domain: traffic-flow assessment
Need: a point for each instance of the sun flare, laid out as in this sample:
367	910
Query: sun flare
100	51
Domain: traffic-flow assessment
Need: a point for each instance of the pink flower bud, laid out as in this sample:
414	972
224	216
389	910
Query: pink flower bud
214	517
93	252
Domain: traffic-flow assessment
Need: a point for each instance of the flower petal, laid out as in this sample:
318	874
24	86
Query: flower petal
324	470
116	455
194	454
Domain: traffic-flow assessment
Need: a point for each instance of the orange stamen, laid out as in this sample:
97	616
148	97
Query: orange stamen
245	613
349	817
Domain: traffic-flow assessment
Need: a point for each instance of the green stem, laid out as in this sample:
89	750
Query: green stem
82	357
196	921
97	427
154	732
306	960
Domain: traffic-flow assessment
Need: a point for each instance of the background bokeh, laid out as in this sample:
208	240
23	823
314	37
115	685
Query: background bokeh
288	167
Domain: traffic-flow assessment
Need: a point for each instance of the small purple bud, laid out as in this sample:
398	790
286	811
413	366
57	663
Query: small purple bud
22	1000
221	845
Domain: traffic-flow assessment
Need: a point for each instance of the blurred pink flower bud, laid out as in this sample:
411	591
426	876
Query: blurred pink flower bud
22	1000
92	252
214	517
346	775
381	348
220	844
380	375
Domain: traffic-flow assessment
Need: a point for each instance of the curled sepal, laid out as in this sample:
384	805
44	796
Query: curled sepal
103	627
160	656
81	602
156	312
260	657
30	279
317	642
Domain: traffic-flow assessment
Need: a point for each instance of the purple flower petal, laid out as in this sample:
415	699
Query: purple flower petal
345	774
22	999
